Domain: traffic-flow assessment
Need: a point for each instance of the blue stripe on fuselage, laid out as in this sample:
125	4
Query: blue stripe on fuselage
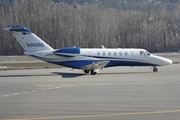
81	63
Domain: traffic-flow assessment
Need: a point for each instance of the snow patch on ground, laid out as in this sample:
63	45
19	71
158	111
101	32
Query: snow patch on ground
3	67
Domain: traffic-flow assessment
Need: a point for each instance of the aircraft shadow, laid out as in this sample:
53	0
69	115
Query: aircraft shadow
72	75
68	75
123	73
62	74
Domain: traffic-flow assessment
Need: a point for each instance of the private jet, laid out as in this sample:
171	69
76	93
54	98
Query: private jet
87	59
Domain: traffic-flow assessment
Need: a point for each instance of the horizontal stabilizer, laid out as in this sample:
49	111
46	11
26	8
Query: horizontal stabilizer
18	29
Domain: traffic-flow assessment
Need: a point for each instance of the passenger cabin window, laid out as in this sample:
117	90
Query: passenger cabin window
98	53
104	53
125	53
114	53
132	53
109	53
120	53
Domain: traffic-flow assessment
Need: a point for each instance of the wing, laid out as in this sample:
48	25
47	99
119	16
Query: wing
95	65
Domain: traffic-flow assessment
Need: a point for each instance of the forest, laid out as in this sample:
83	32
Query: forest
151	25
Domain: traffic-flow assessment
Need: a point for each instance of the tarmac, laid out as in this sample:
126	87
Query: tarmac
119	93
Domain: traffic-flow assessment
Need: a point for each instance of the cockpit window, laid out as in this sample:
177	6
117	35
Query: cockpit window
144	53
147	53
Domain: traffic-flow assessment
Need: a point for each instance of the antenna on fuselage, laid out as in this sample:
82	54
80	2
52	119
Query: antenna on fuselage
103	47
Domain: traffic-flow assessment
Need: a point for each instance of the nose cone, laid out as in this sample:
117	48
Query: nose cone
167	61
163	61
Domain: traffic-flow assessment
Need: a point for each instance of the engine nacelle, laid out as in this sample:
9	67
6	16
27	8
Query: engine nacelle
68	52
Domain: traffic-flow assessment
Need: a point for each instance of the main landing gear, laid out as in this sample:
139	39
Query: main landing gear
155	69
86	71
93	72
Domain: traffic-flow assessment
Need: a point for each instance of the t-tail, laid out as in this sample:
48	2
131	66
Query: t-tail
29	41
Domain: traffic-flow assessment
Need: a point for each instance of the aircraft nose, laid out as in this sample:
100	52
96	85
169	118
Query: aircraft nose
162	61
169	62
166	61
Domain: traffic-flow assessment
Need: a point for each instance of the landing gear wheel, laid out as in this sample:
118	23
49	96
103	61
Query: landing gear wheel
155	69
86	71
93	72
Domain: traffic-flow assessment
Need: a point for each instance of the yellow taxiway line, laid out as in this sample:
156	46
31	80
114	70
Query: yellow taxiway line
98	115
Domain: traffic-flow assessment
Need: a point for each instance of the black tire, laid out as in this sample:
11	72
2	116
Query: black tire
86	71
155	69
93	72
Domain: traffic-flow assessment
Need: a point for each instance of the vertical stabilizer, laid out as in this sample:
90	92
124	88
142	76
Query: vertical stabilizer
28	40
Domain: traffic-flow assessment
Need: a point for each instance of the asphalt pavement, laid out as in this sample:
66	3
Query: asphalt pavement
119	93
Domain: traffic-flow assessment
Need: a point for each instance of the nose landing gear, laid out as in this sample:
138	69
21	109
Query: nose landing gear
155	69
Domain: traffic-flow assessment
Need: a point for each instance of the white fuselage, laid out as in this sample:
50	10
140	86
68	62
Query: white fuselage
139	56
116	57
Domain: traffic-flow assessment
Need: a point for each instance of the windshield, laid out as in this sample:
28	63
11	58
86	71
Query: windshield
144	53
147	53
